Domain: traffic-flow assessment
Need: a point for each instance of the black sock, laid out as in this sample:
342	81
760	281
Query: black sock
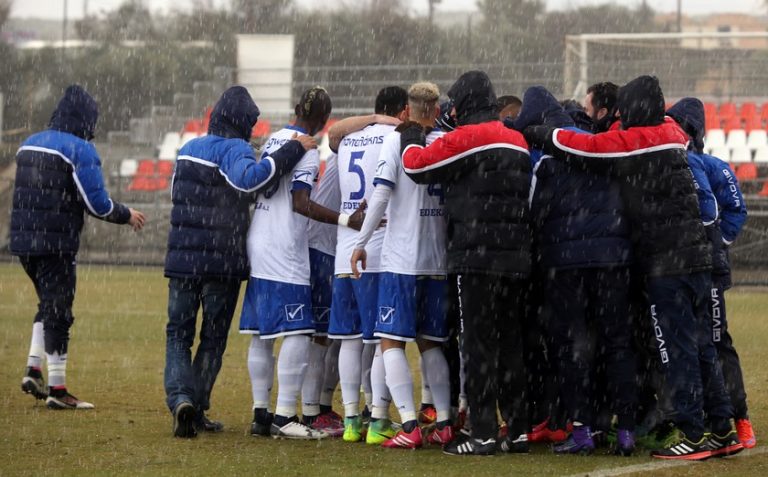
720	425
280	421
441	425
426	405
308	420
261	415
409	426
324	409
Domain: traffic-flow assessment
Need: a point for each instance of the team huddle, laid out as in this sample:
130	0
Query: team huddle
560	267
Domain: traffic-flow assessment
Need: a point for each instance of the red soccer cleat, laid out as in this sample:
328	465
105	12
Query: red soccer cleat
746	433
441	436
405	440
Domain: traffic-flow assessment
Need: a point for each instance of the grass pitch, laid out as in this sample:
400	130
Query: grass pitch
116	361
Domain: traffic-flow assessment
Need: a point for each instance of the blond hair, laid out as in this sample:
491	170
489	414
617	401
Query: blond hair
422	99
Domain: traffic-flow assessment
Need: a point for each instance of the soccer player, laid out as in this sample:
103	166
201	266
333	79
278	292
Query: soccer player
486	172
600	105
509	107
58	179
354	304
215	180
278	300
412	285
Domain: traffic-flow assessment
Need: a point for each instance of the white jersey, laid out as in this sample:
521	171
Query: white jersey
277	239
414	240
322	236
358	156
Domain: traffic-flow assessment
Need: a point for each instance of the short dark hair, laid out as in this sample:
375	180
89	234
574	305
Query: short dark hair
604	95
507	100
391	101
315	103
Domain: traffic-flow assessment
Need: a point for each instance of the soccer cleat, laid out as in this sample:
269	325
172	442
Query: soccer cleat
441	436
464	444
542	433
262	424
579	442
427	415
405	440
203	424
353	429
330	423
512	445
746	433
659	436
625	443
722	446
681	448
184	415
379	431
296	430
33	383
59	399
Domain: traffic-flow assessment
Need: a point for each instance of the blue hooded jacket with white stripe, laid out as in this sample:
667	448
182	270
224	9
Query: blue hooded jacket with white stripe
215	180
578	215
58	177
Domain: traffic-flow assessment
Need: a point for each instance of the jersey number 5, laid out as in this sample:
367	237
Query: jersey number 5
355	168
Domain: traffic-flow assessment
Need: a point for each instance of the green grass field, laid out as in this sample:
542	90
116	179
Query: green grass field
116	361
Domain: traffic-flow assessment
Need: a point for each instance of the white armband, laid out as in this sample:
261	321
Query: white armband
343	220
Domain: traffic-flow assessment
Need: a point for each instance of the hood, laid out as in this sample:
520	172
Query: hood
541	108
474	99
641	102
234	115
76	113
445	121
689	114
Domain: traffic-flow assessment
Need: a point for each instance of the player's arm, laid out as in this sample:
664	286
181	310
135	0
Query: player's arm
355	123
373	219
443	161
90	184
579	148
733	209
303	205
246	174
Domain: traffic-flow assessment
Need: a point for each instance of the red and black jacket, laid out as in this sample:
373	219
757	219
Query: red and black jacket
485	171
657	188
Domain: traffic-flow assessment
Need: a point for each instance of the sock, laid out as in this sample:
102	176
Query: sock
381	396
365	380
261	367
291	367
330	376
409	426
400	382
426	392
350	355
313	380
437	374
36	346
57	370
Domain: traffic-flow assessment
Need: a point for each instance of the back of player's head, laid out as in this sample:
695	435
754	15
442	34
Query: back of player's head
604	95
315	103
641	102
422	100
391	101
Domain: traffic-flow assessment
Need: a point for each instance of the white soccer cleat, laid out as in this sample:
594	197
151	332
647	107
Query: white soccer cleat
66	401
296	430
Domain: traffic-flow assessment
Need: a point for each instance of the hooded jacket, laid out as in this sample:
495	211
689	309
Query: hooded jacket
58	178
486	174
722	206
647	158
577	215
215	179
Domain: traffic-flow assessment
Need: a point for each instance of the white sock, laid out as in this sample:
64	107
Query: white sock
381	396
426	392
350	355
36	346
57	369
400	382
291	368
365	379
261	368
436	371
463	403
313	380
331	373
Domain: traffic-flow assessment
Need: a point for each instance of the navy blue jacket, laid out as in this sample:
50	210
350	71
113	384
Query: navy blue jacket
215	180
577	214
58	177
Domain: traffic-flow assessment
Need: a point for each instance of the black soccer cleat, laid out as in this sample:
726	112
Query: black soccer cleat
514	445
184	415
464	444
60	399
33	383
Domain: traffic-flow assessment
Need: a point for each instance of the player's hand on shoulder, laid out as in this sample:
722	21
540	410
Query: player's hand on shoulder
137	220
358	255
384	119
307	142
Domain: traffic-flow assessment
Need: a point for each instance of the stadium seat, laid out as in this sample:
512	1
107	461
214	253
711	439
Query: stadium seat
764	112
736	138
151	176
727	110
746	172
710	109
732	122
752	123
748	110
128	167
721	152
764	191
761	154
712	121
757	138
165	168
170	146
261	129
715	138
741	154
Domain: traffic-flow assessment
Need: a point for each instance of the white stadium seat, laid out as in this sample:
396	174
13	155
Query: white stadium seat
741	154
736	138
721	152
761	154
128	167
715	138
757	138
170	146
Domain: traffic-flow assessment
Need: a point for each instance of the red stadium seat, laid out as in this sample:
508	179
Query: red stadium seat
746	172
731	122
151	176
710	109
748	110
727	110
764	112
753	123
261	129
164	168
764	191
712	121
146	167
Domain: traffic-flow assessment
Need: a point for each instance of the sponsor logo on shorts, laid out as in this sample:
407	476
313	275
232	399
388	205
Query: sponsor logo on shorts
386	314
294	312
